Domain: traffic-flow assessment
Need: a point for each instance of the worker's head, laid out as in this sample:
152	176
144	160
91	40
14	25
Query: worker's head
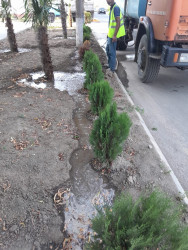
110	2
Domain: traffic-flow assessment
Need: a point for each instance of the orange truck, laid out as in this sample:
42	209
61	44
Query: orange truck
162	34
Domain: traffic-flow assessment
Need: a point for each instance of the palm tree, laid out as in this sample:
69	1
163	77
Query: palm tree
63	19
70	16
6	7
37	11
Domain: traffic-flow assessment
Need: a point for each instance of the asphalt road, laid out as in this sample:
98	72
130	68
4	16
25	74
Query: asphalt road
18	26
163	105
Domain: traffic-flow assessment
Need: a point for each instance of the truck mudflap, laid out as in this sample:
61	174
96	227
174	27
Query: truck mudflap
174	57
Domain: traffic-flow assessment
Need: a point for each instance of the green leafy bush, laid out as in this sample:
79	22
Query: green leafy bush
86	29
93	68
152	222
109	132
100	95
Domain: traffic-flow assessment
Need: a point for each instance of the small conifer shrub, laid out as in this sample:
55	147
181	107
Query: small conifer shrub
100	95
87	57
109	132
86	29
93	68
86	32
151	222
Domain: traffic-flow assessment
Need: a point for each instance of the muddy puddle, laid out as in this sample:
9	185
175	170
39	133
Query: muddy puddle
130	57
62	81
20	50
88	191
61	37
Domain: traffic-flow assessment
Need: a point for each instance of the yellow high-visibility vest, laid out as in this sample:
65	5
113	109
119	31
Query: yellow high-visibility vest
112	25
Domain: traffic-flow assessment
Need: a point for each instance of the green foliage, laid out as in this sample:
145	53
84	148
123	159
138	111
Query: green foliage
86	33
152	222
100	95
87	16
86	36
86	29
88	54
93	68
6	8
109	132
37	11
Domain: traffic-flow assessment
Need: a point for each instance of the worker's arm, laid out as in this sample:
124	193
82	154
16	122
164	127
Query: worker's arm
114	39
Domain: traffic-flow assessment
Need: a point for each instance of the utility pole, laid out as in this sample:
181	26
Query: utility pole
79	22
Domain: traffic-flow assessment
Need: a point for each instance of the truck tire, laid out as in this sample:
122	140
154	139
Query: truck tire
148	68
121	43
51	17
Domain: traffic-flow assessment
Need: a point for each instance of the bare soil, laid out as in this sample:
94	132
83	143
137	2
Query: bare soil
45	151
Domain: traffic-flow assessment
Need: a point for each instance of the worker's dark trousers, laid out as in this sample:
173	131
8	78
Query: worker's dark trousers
111	53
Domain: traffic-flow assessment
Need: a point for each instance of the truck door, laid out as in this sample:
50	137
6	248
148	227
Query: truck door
169	19
159	13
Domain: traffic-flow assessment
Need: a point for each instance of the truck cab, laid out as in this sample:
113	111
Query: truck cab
162	34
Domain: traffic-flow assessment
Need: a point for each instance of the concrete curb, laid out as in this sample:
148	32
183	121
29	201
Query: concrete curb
155	145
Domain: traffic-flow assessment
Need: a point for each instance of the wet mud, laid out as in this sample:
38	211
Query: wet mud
88	189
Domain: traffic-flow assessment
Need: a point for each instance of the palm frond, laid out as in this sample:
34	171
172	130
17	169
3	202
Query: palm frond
37	11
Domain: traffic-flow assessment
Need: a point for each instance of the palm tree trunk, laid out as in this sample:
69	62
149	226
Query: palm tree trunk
45	53
63	19
11	35
70	17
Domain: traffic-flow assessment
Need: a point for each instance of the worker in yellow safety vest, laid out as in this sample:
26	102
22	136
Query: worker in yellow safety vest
116	29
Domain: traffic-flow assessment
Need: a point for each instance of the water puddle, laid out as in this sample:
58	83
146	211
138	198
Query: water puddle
88	189
23	50
70	82
61	37
88	193
130	57
33	84
20	50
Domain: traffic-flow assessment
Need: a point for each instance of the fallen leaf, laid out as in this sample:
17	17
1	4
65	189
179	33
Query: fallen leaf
6	186
4	226
22	224
61	157
18	95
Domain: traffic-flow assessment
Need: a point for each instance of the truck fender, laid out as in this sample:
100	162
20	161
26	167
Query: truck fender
145	27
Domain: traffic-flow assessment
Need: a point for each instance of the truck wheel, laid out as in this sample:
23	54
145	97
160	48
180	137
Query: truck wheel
121	43
51	17
148	68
